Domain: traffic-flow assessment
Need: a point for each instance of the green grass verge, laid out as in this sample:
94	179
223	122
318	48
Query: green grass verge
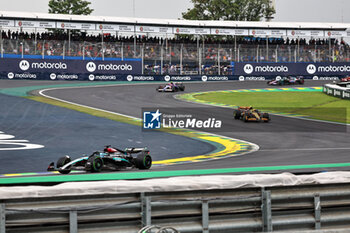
315	105
159	174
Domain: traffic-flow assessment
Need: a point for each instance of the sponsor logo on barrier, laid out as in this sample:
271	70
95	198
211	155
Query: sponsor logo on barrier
278	78
49	65
105	77
248	68
346	95
114	67
24	76
334	68
204	78
143	78
181	78
129	78
91	66
10	75
91	77
315	78
328	78
167	78
218	78
67	76
271	69
255	78
241	78
53	76
336	93
24	65
311	69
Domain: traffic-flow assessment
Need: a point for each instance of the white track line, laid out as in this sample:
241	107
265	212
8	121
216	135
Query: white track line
306	149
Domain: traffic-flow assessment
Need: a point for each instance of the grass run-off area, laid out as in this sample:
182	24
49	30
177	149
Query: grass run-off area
316	105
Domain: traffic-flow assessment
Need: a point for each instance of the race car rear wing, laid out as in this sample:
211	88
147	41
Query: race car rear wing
136	150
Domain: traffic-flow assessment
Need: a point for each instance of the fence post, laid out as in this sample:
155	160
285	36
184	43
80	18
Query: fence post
73	221
266	210
146	213
317	205
2	218
205	216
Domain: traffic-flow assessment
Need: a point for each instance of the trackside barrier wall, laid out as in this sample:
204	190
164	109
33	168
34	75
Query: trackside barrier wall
337	91
132	70
256	209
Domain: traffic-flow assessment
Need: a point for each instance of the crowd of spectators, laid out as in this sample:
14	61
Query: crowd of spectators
205	55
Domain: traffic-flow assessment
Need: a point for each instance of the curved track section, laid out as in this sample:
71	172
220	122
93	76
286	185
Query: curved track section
286	141
54	131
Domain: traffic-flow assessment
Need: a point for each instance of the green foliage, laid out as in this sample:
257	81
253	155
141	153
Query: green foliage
71	7
235	10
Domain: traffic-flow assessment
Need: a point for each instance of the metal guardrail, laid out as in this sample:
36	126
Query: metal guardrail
223	210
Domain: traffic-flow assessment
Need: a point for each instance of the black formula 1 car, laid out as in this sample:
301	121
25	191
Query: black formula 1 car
110	159
287	81
171	87
249	114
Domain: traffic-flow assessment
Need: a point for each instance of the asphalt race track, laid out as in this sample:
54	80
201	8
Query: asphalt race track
283	141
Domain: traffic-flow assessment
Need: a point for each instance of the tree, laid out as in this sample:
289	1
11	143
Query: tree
71	7
235	10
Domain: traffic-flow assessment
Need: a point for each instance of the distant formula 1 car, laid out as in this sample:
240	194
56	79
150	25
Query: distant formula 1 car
110	159
249	114
346	79
171	87
287	81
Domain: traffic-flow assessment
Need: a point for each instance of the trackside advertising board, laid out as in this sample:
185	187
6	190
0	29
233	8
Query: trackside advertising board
285	69
66	69
131	70
334	90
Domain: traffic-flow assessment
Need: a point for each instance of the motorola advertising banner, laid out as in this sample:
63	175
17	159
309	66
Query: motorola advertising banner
56	69
324	70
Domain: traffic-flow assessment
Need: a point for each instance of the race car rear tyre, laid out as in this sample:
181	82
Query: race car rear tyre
63	161
143	161
94	164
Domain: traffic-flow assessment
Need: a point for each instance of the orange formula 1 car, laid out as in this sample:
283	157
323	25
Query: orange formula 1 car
250	114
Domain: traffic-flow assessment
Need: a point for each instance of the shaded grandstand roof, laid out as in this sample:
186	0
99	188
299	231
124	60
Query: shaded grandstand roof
12	15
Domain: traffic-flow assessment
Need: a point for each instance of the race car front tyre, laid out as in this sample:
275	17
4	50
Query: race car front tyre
94	164
266	116
237	114
182	88
143	161
63	161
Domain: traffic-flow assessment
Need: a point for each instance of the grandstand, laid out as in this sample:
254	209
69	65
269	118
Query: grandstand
176	47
